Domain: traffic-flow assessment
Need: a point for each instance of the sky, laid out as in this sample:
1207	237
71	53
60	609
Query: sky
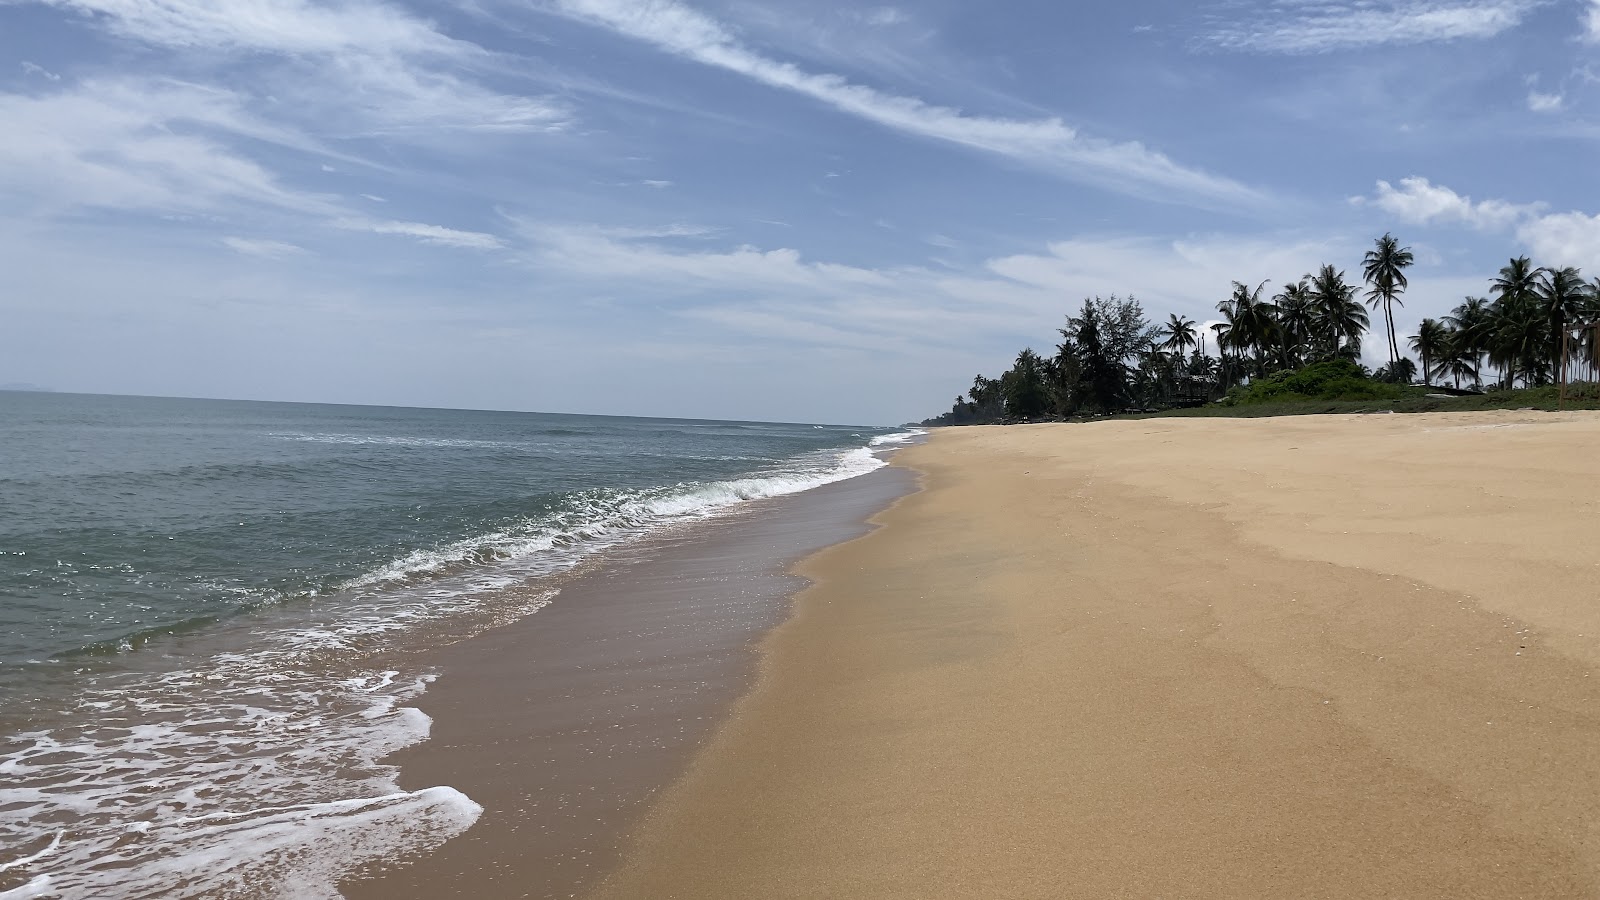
748	209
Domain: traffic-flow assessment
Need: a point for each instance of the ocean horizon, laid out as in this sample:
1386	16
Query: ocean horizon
213	610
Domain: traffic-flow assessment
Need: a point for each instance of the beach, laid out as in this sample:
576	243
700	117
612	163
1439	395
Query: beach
564	725
1315	656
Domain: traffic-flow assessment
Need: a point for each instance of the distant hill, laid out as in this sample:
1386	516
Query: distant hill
25	386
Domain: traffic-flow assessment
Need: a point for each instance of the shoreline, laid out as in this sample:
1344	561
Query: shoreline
563	725
1320	657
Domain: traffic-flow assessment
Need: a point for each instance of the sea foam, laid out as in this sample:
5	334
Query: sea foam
259	769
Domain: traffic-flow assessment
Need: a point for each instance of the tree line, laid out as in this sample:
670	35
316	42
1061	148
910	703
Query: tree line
1111	358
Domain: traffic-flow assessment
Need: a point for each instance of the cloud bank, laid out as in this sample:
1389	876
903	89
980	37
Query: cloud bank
1562	239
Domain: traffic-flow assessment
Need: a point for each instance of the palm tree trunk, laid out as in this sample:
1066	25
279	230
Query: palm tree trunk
1388	319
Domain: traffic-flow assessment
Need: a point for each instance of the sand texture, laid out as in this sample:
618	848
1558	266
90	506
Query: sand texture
1303	657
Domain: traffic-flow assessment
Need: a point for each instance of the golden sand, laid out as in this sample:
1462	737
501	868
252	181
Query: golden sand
1178	658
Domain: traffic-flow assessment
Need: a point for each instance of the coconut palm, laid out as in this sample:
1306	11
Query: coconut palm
1520	340
1470	320
1224	332
1341	320
1254	323
1514	344
1431	343
1384	267
1460	359
1563	294
1295	321
1181	334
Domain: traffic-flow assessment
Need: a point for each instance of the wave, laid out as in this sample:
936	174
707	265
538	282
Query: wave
595	520
259	763
903	437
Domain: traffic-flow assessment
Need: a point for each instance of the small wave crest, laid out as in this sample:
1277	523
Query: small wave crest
595	520
903	437
259	769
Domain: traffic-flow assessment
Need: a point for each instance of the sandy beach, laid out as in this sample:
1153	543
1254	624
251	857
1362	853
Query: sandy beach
565	724
1297	657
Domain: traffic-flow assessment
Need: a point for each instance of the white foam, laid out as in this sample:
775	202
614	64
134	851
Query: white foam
257	774
259	770
903	437
39	886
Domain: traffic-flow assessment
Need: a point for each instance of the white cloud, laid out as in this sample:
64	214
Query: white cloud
664	231
884	16
378	68
276	26
266	249
36	69
1539	102
429	234
1564	239
139	144
1321	27
1418	202
1591	22
1010	301
1048	143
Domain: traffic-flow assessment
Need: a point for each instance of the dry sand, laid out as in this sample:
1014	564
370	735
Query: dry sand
1178	658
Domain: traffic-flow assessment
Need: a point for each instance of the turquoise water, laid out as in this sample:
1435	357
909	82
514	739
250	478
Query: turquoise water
209	609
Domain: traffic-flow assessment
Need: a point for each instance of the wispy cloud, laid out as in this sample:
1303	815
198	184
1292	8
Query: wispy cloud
378	68
1417	201
36	69
781	294
266	249
428	234
883	16
1316	26
140	144
1541	102
1047	143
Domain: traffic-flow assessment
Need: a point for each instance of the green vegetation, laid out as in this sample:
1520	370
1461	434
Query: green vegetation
1334	379
1298	351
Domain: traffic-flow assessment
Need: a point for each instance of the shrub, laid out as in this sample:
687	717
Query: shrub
1336	379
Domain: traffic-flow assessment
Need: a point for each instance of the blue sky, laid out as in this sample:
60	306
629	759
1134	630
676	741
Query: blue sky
800	211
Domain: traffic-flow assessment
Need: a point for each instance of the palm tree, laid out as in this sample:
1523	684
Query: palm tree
1341	320
1519	341
1460	358
1513	343
1181	334
1563	294
1253	321
1224	333
1470	319
1430	343
1295	321
1384	268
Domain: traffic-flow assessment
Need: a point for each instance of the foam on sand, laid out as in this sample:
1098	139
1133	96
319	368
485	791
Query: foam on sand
258	767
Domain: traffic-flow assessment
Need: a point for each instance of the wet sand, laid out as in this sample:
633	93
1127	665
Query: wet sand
1302	657
564	724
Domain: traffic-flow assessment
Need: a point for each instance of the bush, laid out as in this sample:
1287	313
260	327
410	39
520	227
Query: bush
1337	379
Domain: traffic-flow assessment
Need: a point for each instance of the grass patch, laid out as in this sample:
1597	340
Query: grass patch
1340	387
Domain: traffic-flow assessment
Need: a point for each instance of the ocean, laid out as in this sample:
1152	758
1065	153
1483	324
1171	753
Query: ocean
212	613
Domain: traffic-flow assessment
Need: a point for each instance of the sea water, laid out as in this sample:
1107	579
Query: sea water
213	613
